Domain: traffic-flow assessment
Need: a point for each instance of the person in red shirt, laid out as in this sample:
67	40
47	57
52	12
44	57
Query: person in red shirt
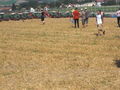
76	16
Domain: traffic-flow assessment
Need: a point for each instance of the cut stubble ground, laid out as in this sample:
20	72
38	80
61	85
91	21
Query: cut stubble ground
56	56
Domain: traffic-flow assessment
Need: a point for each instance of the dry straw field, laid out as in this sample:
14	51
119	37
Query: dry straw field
56	56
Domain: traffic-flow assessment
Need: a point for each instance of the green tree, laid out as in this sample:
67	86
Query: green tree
30	3
33	3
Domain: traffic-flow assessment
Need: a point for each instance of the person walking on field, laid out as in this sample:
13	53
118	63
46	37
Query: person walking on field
42	17
99	21
118	17
76	16
102	14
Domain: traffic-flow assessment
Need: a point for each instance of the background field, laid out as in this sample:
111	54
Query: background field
56	56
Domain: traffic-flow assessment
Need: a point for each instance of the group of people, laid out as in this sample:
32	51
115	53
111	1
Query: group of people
84	18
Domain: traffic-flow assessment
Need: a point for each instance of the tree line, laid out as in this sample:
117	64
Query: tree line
57	3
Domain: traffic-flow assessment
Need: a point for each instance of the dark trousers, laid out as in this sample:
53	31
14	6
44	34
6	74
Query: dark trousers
118	21
76	21
86	21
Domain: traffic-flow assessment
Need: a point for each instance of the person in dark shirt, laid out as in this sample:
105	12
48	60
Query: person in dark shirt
42	17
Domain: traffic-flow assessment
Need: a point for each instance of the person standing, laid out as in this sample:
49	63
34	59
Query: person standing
118	17
99	21
83	17
87	14
76	16
13	7
71	18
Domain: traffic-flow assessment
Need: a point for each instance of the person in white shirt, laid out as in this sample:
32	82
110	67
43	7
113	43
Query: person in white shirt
99	22
118	17
32	10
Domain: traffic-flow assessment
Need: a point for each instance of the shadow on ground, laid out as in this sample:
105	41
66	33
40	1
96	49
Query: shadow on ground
117	62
